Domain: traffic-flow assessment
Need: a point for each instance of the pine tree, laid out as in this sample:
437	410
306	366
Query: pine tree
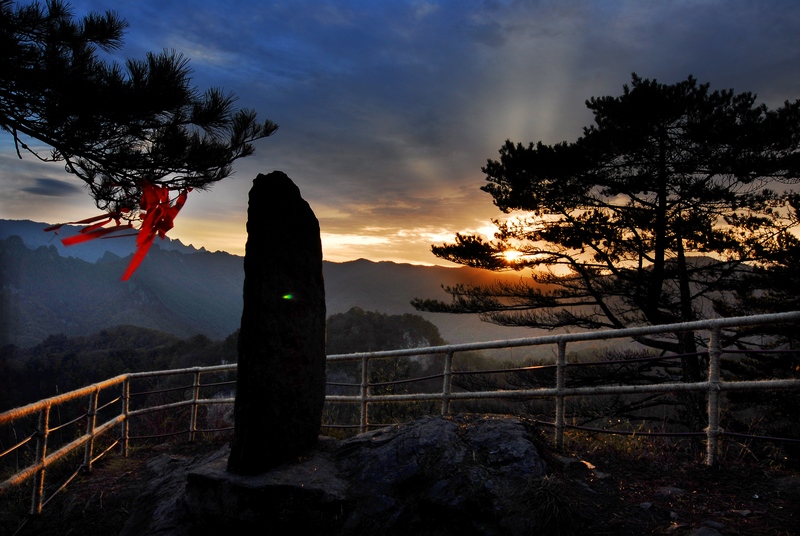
674	193
139	135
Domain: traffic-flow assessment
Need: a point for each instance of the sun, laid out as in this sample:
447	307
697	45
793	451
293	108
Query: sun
512	256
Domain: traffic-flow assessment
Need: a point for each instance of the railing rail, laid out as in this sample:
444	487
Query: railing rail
121	418
713	386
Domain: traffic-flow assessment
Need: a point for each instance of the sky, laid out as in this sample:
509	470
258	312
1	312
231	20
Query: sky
388	109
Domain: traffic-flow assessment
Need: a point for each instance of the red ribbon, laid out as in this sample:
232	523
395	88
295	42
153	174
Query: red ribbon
159	217
159	213
90	232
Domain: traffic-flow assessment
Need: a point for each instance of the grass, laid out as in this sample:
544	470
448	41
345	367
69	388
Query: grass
545	506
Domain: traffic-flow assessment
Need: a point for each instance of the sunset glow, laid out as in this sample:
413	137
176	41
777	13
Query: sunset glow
512	256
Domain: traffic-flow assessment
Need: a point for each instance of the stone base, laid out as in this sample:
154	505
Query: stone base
306	496
436	476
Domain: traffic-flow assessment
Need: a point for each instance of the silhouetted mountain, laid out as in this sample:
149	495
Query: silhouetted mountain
185	291
33	236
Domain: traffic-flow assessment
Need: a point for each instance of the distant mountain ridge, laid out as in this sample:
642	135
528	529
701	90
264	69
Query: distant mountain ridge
33	235
184	291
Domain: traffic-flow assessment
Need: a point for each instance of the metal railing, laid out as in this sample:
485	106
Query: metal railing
713	385
121	417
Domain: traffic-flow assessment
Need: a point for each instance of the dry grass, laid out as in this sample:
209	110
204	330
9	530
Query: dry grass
656	485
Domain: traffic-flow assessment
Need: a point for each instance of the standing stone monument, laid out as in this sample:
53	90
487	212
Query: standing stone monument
281	373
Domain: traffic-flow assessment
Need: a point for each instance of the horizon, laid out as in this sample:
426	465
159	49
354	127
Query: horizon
201	248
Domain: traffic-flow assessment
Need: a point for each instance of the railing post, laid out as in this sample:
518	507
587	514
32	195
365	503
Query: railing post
126	398
713	431
195	397
447	382
91	422
364	394
41	454
561	365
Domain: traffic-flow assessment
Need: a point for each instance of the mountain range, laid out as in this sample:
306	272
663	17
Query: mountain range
48	289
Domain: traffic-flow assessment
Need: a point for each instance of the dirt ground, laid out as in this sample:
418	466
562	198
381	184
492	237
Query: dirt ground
614	491
631	496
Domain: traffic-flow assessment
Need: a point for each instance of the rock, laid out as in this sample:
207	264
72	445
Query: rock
446	465
434	476
668	491
788	484
161	508
281	377
306	496
565	461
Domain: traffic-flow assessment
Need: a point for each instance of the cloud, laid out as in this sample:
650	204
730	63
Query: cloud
52	188
388	110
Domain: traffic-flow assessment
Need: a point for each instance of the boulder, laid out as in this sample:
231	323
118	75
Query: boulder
464	474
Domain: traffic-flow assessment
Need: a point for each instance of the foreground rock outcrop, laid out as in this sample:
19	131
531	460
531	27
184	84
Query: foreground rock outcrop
438	475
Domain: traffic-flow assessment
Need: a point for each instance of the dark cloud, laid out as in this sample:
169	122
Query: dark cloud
52	188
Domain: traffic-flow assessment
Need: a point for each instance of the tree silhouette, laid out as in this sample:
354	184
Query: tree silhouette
140	136
672	194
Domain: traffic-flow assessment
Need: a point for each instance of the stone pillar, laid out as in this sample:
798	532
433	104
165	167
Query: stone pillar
281	373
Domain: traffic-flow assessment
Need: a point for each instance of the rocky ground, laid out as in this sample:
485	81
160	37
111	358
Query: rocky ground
644	490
